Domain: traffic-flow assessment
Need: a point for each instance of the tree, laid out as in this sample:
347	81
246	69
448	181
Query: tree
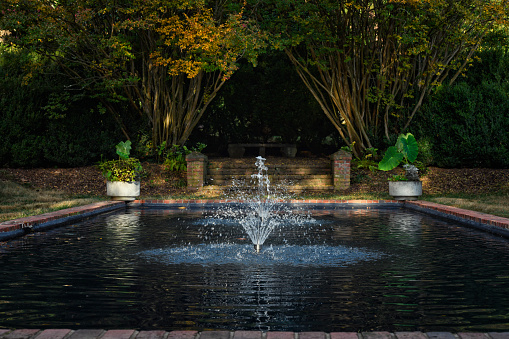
371	63
166	58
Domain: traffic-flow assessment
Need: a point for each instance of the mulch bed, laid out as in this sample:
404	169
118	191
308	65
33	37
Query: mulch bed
89	181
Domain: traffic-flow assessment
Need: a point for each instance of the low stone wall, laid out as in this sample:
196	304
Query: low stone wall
197	170
18	227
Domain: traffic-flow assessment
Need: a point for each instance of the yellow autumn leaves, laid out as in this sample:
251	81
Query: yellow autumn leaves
198	42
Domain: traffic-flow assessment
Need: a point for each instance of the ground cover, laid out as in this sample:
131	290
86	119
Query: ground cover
26	192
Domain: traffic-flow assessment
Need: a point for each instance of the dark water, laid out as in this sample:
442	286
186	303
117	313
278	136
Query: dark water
360	269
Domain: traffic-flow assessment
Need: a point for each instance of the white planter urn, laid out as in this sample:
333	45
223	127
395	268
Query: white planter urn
405	190
123	190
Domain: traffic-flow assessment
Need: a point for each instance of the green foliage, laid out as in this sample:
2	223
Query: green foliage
37	133
468	124
124	169
335	47
398	177
368	160
165	60
408	146
176	160
406	149
425	156
391	160
176	157
124	149
145	149
465	125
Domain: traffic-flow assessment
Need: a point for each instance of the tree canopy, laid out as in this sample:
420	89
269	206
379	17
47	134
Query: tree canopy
166	59
371	63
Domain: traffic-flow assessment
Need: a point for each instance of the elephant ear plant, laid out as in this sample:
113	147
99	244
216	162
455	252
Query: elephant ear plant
406	151
125	168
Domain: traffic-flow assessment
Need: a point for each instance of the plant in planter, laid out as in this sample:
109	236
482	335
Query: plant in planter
122	175
407	187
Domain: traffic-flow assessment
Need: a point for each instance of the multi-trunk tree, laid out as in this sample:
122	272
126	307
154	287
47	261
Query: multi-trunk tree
166	58
371	63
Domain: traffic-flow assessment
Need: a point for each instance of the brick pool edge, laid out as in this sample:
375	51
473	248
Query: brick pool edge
134	334
18	227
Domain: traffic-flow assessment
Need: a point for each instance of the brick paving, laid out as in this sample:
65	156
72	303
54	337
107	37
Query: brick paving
133	334
18	227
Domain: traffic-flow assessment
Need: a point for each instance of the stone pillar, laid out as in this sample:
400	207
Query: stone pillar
196	170
341	169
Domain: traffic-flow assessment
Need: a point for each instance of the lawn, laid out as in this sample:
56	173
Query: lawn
17	200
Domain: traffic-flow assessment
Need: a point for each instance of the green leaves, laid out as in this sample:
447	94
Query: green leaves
124	149
408	146
406	149
391	159
126	170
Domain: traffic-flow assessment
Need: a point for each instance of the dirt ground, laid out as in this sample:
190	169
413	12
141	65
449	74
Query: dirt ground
89	181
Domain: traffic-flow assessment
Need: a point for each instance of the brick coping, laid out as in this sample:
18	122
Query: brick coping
18	227
160	334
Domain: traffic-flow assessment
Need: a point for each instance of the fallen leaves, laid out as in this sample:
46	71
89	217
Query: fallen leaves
89	181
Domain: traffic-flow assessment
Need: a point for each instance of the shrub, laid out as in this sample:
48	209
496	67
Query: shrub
43	124
176	157
468	125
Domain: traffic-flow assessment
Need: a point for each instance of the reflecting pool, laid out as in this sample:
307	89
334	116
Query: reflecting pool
342	270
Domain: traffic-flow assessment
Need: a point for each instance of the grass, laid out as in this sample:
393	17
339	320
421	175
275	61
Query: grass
17	201
495	203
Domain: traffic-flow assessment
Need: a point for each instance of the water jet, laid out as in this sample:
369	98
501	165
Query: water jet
257	248
262	209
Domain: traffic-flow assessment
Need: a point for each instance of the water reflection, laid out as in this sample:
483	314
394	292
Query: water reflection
123	226
423	274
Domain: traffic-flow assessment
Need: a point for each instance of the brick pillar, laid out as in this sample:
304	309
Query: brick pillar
341	169
196	170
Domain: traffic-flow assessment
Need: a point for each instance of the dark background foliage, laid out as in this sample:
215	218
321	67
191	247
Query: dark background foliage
268	102
45	121
467	123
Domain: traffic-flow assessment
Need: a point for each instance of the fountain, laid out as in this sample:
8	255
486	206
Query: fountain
264	209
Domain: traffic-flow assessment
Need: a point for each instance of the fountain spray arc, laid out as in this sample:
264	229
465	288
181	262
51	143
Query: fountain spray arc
262	207
259	223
